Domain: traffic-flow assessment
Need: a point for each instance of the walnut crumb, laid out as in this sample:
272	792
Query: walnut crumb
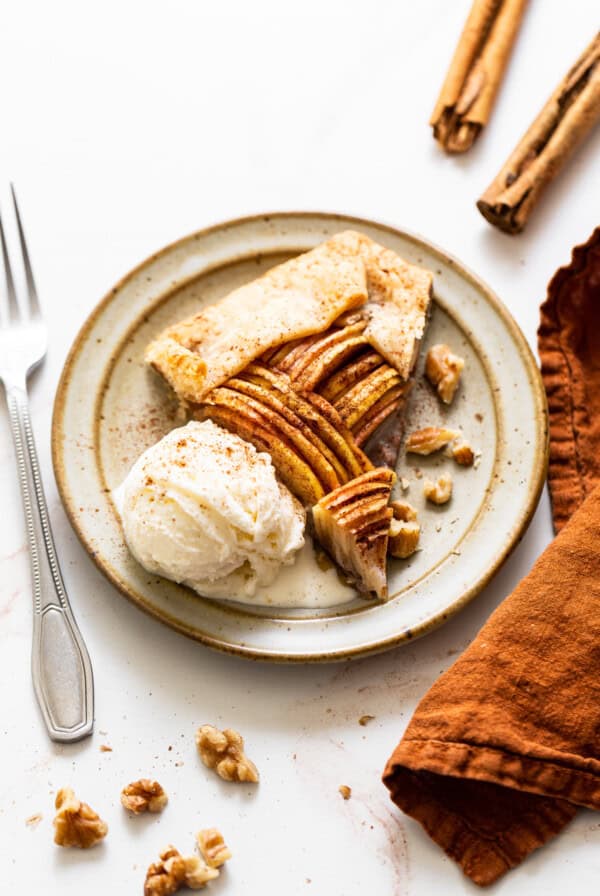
34	820
144	795
175	871
345	791
440	491
443	369
104	748
75	823
463	454
404	484
430	439
364	720
223	751
213	848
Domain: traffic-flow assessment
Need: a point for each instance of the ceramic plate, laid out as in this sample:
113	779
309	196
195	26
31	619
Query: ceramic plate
109	408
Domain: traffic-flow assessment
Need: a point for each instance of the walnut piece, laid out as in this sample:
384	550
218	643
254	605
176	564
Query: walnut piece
175	871
144	796
403	539
402	510
404	530
463	454
345	791
430	439
443	369
198	873
167	875
213	848
75	823
223	751
440	491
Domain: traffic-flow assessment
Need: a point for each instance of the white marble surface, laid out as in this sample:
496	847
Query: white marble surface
124	126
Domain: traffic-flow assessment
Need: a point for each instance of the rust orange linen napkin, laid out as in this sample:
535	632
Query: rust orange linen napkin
569	344
506	745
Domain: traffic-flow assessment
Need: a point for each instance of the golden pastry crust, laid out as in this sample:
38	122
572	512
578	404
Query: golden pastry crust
399	297
301	297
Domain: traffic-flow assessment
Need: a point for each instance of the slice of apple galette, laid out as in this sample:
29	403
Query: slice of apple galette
312	363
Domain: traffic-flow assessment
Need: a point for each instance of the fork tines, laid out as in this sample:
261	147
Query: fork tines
10	305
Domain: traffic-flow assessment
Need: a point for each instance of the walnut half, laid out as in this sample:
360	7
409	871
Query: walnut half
440	491
430	439
443	369
175	871
213	848
75	823
223	751
144	796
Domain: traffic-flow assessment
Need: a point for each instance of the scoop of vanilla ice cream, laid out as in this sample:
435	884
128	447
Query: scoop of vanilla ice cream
204	508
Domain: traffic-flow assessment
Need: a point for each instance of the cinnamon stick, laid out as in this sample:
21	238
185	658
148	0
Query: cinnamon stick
467	96
565	120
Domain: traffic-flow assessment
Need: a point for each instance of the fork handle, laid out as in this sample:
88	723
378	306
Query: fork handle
60	663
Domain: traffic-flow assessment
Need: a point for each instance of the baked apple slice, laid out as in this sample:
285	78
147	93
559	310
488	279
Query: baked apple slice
352	523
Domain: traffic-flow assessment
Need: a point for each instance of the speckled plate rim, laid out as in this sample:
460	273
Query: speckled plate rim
515	534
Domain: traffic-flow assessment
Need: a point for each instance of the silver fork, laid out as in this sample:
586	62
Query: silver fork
60	664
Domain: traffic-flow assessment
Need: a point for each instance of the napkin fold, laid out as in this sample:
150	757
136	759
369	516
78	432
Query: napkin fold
506	745
569	347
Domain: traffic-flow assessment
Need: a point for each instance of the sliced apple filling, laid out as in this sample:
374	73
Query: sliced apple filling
312	449
341	366
353	525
